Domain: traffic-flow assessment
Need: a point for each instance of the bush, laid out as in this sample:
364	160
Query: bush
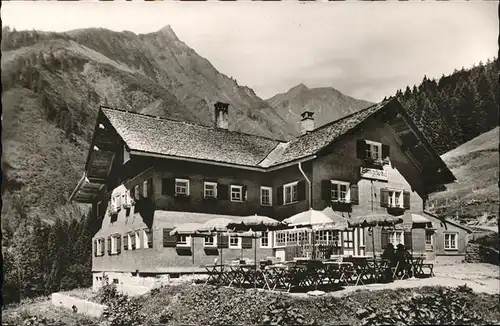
442	307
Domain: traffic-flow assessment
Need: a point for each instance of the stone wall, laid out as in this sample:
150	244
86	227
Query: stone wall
477	253
80	306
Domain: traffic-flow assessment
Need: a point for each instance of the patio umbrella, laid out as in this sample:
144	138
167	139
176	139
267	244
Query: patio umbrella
326	219
190	229
254	223
372	220
216	225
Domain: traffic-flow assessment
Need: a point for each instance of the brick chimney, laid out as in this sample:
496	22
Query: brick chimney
307	122
221	115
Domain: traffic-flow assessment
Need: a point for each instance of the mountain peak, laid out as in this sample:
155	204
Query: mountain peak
168	31
299	87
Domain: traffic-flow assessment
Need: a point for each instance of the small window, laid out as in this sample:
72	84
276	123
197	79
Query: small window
145	189
290	193
373	150
182	187
147	238
114	244
236	193
280	239
137	192
266	196
210	241
210	190
396	238
131	245
183	240
115	281
340	191
450	241
395	198
264	240
100	247
234	242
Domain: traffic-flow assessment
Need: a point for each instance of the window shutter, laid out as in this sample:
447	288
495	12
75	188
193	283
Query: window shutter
222	241
222	191
244	192
406	199
169	240
354	195
384	197
125	242
361	149
301	190
246	243
385	238
150	187
109	246
118	244
407	240
385	152
279	198
326	190
168	186
132	240
95	248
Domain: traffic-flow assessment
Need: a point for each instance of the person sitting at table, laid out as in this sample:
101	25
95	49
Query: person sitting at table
388	252
402	256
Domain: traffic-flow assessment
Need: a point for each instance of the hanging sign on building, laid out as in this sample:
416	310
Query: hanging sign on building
374	174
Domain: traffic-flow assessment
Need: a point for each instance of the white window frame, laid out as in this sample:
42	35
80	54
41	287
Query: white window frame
292	185
114	243
100	245
392	237
183	243
187	186
240	188
210	245
268	237
238	245
144	239
280	234
392	194
270	190
145	189
137	235
455	235
369	151
207	183
347	193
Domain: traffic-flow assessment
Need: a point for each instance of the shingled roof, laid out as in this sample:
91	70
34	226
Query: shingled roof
182	139
164	136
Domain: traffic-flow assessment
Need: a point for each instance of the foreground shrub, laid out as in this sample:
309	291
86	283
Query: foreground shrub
441	307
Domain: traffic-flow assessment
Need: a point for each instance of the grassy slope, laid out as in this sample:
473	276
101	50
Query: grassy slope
474	195
157	72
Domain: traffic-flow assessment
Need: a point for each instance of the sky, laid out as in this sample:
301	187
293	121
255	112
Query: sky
367	50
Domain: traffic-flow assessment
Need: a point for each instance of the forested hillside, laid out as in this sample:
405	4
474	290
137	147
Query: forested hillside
455	108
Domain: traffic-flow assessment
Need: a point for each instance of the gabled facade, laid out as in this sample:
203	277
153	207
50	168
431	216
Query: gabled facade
145	175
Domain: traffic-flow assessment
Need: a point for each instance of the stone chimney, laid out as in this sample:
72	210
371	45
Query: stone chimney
221	115
307	122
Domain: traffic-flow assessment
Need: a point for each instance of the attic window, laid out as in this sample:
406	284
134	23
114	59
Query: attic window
373	150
